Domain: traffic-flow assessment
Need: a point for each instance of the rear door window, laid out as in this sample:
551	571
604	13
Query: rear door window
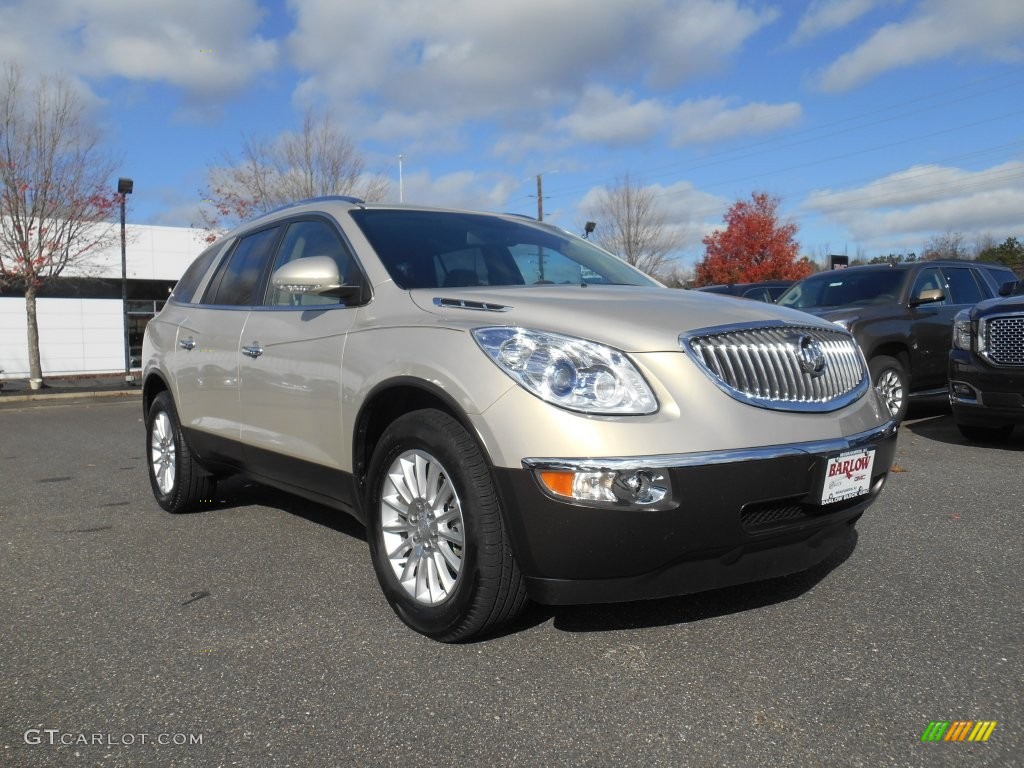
238	280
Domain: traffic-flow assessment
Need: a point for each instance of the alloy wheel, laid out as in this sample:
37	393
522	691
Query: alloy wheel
422	527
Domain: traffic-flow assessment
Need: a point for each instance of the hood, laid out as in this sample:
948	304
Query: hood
1001	304
630	318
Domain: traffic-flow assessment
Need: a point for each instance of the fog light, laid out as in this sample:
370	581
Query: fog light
963	390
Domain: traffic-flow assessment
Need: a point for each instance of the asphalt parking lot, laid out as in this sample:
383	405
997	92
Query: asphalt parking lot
254	633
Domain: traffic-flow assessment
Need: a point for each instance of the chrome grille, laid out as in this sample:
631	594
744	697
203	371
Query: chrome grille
1004	340
767	365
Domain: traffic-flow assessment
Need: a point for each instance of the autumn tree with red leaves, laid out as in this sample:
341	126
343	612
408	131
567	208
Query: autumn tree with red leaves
56	204
319	159
754	246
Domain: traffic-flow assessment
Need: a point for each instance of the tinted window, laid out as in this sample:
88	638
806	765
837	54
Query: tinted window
435	249
186	287
236	283
963	285
842	287
930	280
312	238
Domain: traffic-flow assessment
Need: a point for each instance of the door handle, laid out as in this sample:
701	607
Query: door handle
187	344
254	350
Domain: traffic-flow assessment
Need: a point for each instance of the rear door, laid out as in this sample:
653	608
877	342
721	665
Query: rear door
207	349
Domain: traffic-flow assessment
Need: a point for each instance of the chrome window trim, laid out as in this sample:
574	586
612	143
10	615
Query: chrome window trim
832	446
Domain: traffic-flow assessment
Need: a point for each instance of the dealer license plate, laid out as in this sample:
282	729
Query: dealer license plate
848	476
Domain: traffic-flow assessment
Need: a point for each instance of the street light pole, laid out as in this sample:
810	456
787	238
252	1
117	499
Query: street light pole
401	187
124	188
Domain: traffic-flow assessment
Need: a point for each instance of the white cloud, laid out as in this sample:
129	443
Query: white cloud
207	49
608	118
915	203
709	120
823	16
459	189
496	60
935	29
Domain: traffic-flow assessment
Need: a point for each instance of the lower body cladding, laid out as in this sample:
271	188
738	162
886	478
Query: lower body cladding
696	521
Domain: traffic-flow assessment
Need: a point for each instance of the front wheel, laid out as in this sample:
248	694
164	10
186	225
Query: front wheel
179	483
890	378
436	535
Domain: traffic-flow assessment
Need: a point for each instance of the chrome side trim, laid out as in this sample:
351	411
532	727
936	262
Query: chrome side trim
668	461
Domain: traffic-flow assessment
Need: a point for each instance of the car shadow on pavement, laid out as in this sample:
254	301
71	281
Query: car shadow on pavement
239	492
942	429
687	608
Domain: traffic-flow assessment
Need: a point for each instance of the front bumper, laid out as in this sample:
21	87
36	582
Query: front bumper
983	395
738	516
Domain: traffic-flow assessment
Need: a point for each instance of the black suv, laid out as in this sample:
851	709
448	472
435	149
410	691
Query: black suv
767	291
902	317
986	367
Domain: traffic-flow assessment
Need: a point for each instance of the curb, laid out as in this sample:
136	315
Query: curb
68	395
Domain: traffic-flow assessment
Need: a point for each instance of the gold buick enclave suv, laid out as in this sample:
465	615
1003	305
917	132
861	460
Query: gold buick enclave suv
511	411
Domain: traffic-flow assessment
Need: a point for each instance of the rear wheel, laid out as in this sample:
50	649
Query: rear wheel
890	378
179	483
435	530
985	434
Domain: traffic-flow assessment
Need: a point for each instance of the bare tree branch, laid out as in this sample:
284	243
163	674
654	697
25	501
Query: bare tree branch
631	225
318	160
55	202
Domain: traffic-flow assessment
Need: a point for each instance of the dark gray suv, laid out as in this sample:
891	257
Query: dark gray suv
902	317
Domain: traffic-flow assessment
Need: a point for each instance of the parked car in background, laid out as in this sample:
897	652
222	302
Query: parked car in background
510	410
902	317
986	366
767	291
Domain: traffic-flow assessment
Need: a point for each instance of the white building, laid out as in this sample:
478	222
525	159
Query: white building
79	313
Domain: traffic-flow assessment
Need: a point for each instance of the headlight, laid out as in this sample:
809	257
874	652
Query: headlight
569	372
962	330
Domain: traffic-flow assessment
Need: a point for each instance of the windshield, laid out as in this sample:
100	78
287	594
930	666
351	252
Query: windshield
841	288
446	249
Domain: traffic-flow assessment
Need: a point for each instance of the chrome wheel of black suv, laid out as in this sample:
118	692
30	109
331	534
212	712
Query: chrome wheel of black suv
889	378
179	483
435	531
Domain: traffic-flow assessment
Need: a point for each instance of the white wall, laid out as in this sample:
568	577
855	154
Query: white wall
86	335
151	253
75	336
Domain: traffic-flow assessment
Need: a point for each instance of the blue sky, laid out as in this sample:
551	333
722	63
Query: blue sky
879	123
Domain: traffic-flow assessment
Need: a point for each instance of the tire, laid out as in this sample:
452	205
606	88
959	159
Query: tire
890	378
436	534
985	434
179	483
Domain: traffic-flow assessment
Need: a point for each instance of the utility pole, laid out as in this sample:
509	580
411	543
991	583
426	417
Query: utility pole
401	186
540	197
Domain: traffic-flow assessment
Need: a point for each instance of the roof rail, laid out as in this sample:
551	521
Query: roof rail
321	199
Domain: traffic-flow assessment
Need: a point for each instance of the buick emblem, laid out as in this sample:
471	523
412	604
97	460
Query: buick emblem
811	356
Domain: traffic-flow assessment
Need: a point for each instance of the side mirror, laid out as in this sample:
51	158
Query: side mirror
313	274
929	296
1007	288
